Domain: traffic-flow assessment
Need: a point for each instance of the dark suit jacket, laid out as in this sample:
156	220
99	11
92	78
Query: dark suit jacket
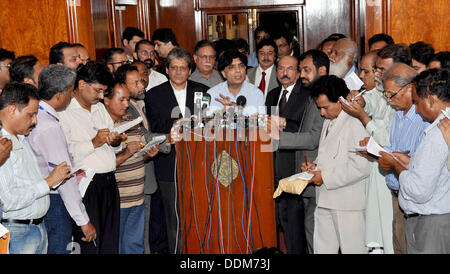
293	112
305	141
162	110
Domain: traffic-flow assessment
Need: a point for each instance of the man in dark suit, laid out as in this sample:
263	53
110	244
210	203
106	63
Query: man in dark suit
165	104
305	141
289	101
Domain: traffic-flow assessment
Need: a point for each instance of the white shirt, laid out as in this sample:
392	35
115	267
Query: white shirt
23	190
80	127
289	89
180	94
155	79
258	78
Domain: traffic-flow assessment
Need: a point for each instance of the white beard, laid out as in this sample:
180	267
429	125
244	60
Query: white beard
379	84
339	69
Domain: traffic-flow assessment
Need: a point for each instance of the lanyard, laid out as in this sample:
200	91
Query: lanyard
41	108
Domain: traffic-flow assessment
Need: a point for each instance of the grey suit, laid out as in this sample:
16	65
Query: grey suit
306	142
273	81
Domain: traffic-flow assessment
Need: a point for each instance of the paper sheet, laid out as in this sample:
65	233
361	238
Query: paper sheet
155	141
302	176
122	128
85	181
345	101
3	230
374	148
353	82
446	113
4	243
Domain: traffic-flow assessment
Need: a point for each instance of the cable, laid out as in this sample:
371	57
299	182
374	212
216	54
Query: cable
251	196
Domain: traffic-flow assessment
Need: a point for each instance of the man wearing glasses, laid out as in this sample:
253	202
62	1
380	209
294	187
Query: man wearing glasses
205	59
145	52
164	105
407	131
113	58
93	145
6	58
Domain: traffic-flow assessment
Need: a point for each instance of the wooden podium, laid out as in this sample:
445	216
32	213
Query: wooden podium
233	213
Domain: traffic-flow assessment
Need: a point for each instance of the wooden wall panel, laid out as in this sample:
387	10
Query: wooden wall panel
85	27
32	26
324	17
417	20
206	4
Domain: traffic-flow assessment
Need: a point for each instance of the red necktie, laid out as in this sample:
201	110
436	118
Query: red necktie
262	85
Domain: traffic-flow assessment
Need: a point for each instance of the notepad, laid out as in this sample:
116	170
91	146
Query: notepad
446	113
4	243
372	147
122	128
3	230
155	141
353	82
85	181
302	176
345	101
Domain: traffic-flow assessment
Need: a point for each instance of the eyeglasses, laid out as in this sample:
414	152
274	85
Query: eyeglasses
181	68
120	62
98	90
385	92
147	53
206	57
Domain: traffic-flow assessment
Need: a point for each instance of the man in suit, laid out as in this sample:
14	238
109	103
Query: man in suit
339	175
165	104
264	76
289	101
305	141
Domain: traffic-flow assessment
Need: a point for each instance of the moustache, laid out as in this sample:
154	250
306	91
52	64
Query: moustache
285	77
149	63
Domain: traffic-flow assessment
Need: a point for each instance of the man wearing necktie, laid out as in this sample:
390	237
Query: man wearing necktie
264	75
289	101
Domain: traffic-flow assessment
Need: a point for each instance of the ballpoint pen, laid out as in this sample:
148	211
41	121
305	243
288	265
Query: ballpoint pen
359	94
142	145
93	241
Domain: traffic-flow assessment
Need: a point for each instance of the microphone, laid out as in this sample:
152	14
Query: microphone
241	101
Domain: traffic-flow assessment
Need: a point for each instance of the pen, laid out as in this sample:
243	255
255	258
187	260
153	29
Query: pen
93	241
359	94
126	142
52	164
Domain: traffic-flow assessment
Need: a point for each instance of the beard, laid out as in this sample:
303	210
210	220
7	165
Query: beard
149	63
340	68
379	84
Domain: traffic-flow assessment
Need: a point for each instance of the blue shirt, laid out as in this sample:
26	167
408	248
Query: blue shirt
425	185
407	132
255	98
